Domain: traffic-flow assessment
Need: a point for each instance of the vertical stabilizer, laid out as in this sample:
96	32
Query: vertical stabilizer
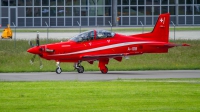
161	29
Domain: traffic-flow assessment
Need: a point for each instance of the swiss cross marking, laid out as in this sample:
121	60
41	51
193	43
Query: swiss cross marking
162	20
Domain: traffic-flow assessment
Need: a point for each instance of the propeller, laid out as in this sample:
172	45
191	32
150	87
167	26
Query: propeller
37	41
31	44
35	50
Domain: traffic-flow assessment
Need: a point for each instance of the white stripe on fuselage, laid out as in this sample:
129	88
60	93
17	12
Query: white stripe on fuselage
103	48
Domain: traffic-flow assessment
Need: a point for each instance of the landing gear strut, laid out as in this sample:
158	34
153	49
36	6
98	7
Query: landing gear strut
102	65
78	67
58	69
104	70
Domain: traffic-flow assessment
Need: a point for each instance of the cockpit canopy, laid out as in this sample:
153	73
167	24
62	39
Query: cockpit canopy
92	35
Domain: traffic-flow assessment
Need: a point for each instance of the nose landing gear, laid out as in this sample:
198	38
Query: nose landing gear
58	69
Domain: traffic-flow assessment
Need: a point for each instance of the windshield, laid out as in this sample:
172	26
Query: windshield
85	36
89	35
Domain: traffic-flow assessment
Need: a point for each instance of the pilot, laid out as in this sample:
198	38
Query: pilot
109	34
90	36
100	35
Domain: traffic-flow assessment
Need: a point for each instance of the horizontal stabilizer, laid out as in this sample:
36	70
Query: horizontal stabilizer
176	45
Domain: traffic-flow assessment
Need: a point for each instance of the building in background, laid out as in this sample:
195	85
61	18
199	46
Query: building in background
68	13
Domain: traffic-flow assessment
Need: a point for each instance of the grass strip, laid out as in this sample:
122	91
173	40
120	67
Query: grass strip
16	59
120	95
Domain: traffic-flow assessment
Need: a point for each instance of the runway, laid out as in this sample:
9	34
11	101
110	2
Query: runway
98	76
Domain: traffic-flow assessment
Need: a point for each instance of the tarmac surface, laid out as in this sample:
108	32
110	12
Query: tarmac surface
98	76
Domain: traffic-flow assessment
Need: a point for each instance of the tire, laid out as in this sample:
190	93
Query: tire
58	70
104	71
80	69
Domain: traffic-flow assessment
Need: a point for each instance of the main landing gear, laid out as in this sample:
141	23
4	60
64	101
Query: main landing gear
104	70
78	67
102	65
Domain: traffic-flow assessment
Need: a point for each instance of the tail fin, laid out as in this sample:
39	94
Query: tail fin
161	29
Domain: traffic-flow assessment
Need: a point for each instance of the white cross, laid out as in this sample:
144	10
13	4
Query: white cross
161	20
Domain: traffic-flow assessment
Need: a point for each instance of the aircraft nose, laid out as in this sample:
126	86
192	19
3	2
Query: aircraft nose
33	50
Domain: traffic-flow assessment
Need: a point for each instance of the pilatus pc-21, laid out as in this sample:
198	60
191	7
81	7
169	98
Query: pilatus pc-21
102	45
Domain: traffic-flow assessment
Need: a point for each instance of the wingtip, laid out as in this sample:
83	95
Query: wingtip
184	44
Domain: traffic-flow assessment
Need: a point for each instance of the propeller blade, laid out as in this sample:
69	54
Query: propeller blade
37	40
31	44
32	59
41	65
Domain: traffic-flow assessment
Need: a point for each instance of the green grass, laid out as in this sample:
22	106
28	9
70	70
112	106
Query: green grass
115	29
166	95
17	59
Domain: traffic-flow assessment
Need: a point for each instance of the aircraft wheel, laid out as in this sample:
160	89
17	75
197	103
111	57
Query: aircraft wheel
104	71
58	70
80	69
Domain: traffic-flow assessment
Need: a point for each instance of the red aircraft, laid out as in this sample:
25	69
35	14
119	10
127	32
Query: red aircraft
102	45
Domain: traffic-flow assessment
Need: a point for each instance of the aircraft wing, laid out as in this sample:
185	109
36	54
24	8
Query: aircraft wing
169	45
96	57
176	45
115	56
